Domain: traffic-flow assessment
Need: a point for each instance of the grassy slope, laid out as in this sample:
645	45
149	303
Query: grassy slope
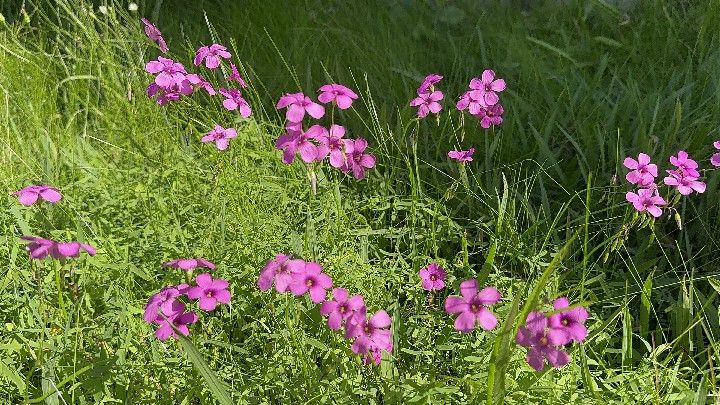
587	85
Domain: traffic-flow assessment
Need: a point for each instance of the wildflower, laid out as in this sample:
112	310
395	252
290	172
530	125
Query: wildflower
486	87
685	184
190	264
685	165
163	96
235	76
427	103
275	270
199	82
467	102
374	355
169	73
715	159
211	55
331	143
29	195
293	142
209	292
371	333
433	277
297	105
534	336
357	161
235	101
341	308
646	200
309	278
472	306
462	155
428	84
490	115
642	171
567	326
40	248
338	93
164	303
178	322
220	136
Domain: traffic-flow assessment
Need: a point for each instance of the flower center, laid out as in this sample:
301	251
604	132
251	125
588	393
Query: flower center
342	309
367	329
543	341
564	322
474	307
433	277
210	294
310	283
488	88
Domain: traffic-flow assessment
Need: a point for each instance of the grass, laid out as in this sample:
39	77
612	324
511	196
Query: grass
588	85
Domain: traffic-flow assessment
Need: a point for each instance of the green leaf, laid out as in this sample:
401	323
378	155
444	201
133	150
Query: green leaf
214	384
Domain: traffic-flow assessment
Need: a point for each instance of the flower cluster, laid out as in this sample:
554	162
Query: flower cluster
684	178
168	307
318	142
546	335
172	81
370	335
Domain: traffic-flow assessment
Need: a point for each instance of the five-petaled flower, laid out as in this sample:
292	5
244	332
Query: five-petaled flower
341	307
297	105
341	95
220	136
472	306
177	322
332	143
685	184
567	326
371	333
163	304
212	55
309	278
275	270
642	171
534	335
433	277
40	248
646	199
190	264
356	160
235	101
294	142
427	103
490	115
462	155
486	87
209	292
29	195
685	165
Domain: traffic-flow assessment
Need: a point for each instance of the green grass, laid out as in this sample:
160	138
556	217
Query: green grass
588	85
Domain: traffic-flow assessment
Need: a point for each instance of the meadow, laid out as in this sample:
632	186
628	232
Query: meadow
540	212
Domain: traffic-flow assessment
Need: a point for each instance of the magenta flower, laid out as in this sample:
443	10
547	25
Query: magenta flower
685	165
534	336
198	81
433	277
715	159
685	184
646	200
486	87
472	307
309	278
190	264
163	96
154	34
163	304
428	84
275	270
642	172
235	101
297	105
357	161
294	142
220	136
211	55
331	143
427	103
467	102
177	322
490	115
341	308
462	155
40	248
338	93
29	195
235	76
209	292
369	333
169	73
567	326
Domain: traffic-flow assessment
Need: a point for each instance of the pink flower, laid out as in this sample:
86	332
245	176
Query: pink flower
293	142
235	101
154	34
685	165
177	322
467	102
297	105
169	73
472	306
164	96
235	76
642	172
428	83
462	155
534	335
163	304
309	278
341	308
40	248
433	277
486	87
338	93
220	136
199	82
490	115
371	334
357	161
211	55
29	195
275	270
331	143
427	103
646	200
685	184
190	264
715	159
209	292
567	326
